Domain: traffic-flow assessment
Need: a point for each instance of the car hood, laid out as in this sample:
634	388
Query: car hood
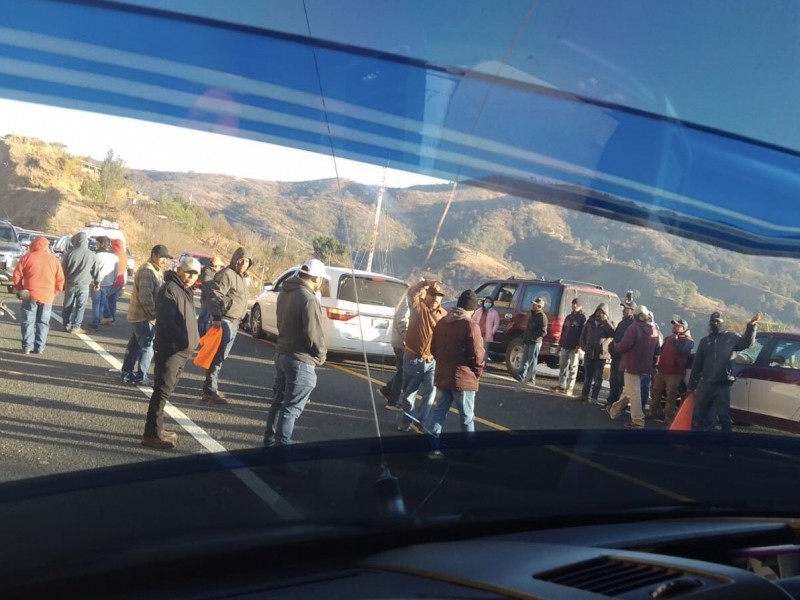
9	247
123	515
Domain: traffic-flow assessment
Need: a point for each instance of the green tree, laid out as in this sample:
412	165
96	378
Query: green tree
113	175
325	248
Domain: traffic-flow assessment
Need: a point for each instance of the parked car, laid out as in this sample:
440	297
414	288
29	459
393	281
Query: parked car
10	252
346	321
767	386
512	300
61	244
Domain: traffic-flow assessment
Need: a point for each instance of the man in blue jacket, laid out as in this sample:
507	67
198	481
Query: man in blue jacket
712	375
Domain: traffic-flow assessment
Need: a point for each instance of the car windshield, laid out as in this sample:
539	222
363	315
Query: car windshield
643	155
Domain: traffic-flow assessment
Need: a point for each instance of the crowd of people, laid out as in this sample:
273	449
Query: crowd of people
440	354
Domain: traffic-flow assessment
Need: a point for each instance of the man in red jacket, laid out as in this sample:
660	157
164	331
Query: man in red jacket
37	279
457	346
675	353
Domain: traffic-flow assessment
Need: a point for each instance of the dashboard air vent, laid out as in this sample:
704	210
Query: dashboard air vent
609	576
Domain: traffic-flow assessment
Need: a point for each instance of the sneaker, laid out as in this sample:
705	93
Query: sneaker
213	398
404	428
92	327
557	388
169	435
126	377
632	425
418	427
583	398
158	443
26	350
77	330
37	350
392	406
106	321
436	455
567	392
140	380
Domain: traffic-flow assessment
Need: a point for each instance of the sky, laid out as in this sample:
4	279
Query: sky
152	146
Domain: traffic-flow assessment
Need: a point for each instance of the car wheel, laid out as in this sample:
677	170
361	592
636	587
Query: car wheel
255	322
514	355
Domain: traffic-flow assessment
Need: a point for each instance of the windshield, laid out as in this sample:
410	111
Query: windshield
409	160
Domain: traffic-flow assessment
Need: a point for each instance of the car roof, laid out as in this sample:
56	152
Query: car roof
339	271
779	334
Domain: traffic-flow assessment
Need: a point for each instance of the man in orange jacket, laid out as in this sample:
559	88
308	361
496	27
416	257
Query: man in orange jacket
38	277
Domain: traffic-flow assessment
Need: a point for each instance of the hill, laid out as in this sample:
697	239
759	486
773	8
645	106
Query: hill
484	234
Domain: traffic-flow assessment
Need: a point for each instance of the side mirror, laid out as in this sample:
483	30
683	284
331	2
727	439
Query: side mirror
268	287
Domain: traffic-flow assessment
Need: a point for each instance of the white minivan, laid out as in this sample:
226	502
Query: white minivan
346	321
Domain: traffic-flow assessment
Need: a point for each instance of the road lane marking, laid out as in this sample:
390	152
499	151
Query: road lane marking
257	485
556	449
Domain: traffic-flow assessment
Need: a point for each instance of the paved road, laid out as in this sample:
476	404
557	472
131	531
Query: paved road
65	410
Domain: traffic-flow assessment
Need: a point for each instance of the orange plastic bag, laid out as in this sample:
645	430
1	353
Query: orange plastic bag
209	344
683	420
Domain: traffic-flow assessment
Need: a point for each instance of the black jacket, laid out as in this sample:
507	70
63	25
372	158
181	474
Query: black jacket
619	333
176	323
300	331
536	329
571	330
713	360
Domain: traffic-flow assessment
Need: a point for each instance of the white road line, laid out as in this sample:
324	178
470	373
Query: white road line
257	485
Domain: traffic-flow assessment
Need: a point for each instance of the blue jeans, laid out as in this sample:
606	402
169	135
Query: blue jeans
110	307
530	358
592	377
35	325
645	389
99	300
229	331
294	382
139	350
203	319
465	403
417	377
74	305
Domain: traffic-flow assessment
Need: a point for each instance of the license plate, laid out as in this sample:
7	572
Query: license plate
380	323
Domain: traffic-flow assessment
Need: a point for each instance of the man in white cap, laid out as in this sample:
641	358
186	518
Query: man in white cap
301	348
176	338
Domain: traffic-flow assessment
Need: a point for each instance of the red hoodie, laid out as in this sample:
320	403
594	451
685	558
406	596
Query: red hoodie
118	248
39	272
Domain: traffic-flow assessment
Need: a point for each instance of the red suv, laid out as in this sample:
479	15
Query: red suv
512	300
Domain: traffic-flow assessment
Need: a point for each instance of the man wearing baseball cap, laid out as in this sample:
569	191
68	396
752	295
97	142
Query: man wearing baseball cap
176	338
425	311
616	378
532	338
672	363
142	315
301	348
712	375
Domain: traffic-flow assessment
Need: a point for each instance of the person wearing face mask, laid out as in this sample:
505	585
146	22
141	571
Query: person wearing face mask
488	321
712	376
301	348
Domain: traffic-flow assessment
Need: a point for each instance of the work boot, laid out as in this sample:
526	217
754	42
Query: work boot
214	398
158	443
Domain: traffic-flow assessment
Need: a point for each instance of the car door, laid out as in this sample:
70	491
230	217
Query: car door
774	389
744	367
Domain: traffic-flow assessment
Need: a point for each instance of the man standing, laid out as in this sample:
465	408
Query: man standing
639	348
532	338
206	279
227	303
616	378
425	306
570	354
80	271
457	346
107	267
675	353
596	336
712	375
391	390
38	277
175	340
301	348
142	315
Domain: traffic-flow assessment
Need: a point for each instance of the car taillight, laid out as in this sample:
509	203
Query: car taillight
556	325
337	314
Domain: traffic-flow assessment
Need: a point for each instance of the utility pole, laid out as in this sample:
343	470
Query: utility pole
381	192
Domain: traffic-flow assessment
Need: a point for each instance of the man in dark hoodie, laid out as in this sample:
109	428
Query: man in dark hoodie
301	348
596	335
206	279
639	348
227	302
532	339
457	346
570	353
80	270
175	341
711	371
